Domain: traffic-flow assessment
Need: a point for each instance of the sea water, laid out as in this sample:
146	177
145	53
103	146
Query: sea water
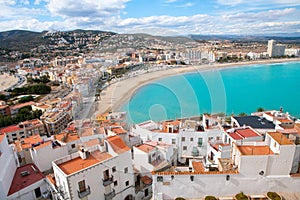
229	90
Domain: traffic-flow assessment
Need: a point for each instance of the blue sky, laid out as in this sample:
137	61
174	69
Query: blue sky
157	17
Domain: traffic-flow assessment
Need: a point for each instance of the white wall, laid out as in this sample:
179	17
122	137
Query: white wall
140	161
43	157
28	192
216	184
8	167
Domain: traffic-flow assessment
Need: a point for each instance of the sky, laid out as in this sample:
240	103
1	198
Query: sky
156	17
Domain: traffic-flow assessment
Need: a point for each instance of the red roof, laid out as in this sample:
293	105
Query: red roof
10	129
247	132
240	134
1	137
118	144
20	182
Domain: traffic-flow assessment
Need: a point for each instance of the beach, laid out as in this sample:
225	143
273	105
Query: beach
118	93
6	81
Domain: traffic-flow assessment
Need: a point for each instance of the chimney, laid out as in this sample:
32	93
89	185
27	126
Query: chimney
83	154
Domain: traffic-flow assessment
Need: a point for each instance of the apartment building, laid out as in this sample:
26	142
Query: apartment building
102	171
57	119
4	109
23	130
273	160
153	156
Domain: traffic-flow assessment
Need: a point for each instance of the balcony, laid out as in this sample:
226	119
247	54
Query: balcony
84	193
195	151
108	181
110	195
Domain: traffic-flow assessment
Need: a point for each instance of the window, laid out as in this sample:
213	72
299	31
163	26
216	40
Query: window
125	170
115	183
200	141
73	146
184	148
159	139
81	185
182	139
114	169
146	192
160	179
127	183
173	141
191	139
14	134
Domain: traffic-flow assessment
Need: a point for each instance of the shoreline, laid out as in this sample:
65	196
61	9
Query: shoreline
117	94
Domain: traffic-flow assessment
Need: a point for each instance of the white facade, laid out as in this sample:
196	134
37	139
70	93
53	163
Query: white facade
8	165
275	49
265	166
43	162
111	177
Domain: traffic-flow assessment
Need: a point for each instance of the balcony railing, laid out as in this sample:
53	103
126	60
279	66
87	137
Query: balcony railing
110	195
84	193
108	181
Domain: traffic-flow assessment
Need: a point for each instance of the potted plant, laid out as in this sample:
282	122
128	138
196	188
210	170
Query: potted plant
273	196
241	196
210	198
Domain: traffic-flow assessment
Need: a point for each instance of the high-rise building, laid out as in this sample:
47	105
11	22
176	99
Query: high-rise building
274	49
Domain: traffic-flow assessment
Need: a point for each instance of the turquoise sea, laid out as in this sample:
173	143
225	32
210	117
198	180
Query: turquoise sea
230	90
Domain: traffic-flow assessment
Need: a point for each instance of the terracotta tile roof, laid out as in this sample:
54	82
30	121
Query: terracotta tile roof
198	166
10	129
92	142
146	180
146	148
66	137
20	182
77	164
118	130
51	179
118	144
18	106
285	120
243	133
31	140
280	138
255	150
43	145
87	131
1	137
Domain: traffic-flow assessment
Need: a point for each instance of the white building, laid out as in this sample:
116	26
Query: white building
274	49
26	182
292	52
265	166
99	172
152	156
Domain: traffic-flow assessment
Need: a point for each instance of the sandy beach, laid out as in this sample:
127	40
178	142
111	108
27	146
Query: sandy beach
116	94
7	81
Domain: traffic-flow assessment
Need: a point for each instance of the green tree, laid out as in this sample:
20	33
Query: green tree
260	109
2	97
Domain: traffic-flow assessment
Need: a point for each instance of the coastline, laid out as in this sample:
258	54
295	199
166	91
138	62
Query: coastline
118	93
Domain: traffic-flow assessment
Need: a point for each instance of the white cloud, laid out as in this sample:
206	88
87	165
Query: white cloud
186	5
86	8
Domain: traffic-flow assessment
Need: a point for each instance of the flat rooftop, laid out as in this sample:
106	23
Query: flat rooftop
31	175
255	150
280	138
78	163
254	122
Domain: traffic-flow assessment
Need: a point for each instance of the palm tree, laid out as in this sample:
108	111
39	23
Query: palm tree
260	109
